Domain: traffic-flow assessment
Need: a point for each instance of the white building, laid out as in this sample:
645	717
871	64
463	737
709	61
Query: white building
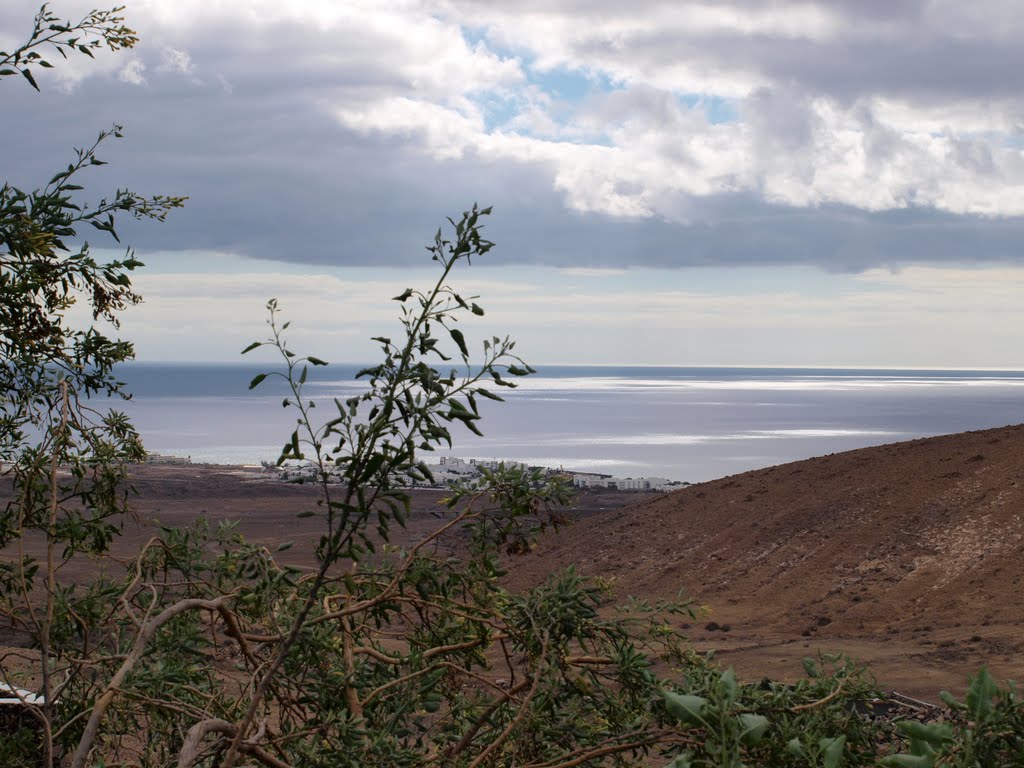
591	480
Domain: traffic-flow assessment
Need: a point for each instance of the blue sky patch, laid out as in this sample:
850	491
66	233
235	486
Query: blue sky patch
717	109
569	85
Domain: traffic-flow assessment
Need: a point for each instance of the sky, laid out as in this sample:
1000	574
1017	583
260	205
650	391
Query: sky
736	182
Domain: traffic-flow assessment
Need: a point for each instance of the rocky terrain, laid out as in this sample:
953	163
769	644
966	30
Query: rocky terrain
907	556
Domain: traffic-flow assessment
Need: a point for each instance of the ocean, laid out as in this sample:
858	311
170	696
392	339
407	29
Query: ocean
686	424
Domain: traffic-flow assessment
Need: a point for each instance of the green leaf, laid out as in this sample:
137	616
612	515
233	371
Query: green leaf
306	513
727	687
684	707
796	747
284	546
832	751
476	309
752	728
459	339
252	346
28	76
950	701
404	295
933	733
316	361
257	379
979	695
908	761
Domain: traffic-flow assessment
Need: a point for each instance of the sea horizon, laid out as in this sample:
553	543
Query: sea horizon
683	423
248	363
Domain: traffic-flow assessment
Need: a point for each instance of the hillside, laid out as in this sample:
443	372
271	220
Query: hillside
906	555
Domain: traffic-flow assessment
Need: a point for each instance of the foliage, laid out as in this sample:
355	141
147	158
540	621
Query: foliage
95	30
987	728
776	725
64	460
43	274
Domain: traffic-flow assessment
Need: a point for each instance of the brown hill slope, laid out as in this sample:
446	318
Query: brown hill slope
909	556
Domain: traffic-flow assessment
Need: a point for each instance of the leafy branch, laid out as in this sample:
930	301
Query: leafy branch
95	30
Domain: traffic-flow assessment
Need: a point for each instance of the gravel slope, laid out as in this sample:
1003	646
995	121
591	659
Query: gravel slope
907	555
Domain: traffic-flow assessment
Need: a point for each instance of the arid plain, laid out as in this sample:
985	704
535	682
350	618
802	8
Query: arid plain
906	556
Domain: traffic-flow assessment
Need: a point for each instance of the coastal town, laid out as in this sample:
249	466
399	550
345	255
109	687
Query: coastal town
452	469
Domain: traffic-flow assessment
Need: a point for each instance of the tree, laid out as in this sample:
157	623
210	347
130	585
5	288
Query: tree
49	367
41	272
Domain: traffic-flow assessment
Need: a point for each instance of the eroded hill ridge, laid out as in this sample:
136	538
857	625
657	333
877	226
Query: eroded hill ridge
914	544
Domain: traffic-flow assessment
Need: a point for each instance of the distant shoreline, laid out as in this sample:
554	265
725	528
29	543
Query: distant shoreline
684	424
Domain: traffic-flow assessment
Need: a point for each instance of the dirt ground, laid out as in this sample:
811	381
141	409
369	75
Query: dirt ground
907	557
265	509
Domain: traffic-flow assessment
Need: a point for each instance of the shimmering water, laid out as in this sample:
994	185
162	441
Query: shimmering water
680	423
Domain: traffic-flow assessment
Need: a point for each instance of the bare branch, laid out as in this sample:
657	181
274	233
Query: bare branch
191	750
145	636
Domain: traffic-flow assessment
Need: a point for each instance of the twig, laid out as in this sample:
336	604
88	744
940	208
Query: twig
398	681
503	736
191	752
142	640
819	702
469	735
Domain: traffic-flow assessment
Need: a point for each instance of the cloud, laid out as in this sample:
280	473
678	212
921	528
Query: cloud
917	316
133	72
842	134
177	61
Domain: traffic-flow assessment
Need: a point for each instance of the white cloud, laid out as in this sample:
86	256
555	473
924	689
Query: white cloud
178	61
801	141
805	133
445	132
717	118
849	157
133	72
